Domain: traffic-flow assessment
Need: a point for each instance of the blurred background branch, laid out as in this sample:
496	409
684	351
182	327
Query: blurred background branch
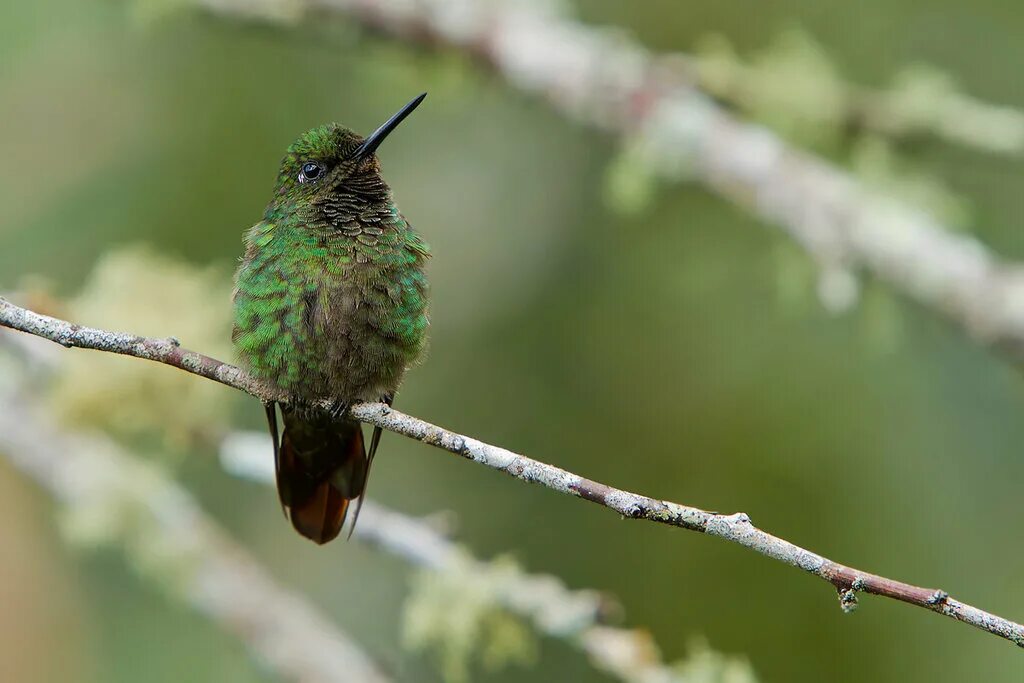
736	528
795	81
109	498
577	616
675	132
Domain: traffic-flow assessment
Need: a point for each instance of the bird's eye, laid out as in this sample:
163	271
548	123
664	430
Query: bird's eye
310	171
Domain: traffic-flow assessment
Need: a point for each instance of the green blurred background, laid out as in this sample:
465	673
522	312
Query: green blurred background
663	350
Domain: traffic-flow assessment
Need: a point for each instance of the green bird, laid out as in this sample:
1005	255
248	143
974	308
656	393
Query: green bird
330	304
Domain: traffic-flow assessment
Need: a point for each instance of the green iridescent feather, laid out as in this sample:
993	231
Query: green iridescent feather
328	272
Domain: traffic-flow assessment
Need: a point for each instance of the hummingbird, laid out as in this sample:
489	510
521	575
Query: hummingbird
330	305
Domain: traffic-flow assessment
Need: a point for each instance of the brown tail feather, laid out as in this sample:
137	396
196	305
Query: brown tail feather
321	466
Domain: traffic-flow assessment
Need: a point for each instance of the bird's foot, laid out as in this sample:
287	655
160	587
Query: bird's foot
338	408
306	410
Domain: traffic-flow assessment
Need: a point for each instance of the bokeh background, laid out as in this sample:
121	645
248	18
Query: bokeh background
659	339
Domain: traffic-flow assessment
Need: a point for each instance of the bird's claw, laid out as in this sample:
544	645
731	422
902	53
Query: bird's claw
338	408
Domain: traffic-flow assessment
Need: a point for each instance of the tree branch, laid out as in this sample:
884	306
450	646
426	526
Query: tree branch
736	528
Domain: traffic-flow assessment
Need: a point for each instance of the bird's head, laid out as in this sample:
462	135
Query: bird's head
332	163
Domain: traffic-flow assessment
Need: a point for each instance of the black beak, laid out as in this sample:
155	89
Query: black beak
371	143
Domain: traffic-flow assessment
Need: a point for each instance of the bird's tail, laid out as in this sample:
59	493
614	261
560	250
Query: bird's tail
321	468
